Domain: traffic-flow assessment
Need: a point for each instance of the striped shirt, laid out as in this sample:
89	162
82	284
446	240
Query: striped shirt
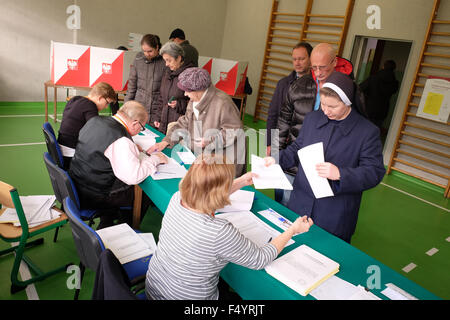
192	250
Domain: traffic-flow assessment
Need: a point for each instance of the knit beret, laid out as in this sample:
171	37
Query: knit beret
342	84
194	79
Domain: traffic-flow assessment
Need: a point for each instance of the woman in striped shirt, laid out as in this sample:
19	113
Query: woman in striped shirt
194	245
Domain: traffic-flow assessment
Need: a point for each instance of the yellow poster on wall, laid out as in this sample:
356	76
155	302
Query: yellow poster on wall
434	104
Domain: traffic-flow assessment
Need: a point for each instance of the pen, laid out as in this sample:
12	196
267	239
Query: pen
284	221
166	172
269	240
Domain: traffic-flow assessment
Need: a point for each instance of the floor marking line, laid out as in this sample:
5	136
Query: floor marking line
25	275
21	144
415	197
409	267
432	251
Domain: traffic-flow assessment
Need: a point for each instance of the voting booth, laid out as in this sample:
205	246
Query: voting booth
226	75
76	65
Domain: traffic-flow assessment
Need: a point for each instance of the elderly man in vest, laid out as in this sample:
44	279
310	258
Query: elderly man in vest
107	164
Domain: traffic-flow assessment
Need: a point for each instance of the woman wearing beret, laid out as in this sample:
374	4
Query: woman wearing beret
211	123
353	159
172	100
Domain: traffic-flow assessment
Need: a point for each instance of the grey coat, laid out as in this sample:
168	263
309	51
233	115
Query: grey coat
218	123
144	83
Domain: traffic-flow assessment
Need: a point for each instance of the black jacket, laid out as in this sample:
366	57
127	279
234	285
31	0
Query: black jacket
300	100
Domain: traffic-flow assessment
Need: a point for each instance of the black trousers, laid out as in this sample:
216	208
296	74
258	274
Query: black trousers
117	205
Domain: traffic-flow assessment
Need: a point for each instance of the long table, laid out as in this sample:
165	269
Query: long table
356	267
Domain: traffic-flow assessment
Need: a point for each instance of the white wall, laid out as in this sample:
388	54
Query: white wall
28	26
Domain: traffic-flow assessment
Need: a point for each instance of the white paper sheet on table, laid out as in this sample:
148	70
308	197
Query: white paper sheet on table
310	156
252	227
170	170
187	157
271	177
144	141
241	200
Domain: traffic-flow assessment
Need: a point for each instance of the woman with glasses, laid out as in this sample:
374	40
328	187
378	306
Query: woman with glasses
145	76
172	100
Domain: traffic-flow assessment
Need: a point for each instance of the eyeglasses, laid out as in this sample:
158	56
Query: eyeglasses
321	68
142	127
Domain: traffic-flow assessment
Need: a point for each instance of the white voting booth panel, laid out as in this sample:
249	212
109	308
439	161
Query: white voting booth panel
226	75
84	66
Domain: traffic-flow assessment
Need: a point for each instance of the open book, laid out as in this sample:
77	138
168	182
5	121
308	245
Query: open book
302	269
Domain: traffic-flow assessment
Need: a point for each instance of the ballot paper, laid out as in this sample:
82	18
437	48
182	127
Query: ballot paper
252	227
144	141
186	156
241	200
170	170
125	243
310	156
271	177
37	209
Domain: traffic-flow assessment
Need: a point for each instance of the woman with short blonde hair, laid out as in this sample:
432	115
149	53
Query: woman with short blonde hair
195	245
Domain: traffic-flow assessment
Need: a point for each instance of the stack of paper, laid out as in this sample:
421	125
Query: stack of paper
241	200
252	227
271	177
302	269
125	243
37	209
171	170
337	289
186	156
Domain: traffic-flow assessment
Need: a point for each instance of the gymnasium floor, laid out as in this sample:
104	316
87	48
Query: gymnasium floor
402	223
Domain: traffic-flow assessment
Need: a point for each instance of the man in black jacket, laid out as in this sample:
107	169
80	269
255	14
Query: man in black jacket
301	63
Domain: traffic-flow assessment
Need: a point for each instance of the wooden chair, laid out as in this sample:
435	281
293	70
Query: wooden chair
9	197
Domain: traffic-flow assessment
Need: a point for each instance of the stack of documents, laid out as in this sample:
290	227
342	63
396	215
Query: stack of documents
171	170
337	289
302	269
271	177
37	209
252	227
126	244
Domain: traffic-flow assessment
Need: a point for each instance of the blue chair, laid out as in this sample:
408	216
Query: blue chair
63	187
52	144
89	247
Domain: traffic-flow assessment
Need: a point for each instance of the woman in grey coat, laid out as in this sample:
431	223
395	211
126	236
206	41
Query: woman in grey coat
145	76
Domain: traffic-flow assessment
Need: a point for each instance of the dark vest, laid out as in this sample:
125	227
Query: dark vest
90	169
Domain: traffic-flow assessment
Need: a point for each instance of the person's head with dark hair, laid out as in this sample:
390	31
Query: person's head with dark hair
150	45
300	58
305	45
390	65
122	48
177	36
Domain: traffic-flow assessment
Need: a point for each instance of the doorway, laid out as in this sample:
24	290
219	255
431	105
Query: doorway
369	55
